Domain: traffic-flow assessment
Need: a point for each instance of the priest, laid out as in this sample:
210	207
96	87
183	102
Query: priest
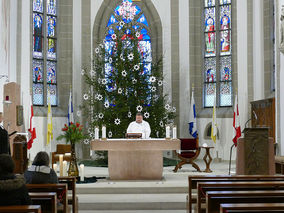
4	138
140	126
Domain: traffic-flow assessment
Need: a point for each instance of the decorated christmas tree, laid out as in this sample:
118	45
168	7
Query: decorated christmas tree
123	81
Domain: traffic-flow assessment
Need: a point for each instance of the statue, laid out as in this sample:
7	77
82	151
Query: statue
282	30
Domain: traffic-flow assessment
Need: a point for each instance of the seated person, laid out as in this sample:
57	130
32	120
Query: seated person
13	190
40	172
140	126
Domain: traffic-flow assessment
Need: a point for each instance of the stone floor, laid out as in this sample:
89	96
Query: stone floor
167	195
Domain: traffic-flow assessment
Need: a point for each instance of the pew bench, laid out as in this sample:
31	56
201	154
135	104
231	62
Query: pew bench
215	198
21	209
256	208
205	187
47	201
193	180
279	164
59	189
71	185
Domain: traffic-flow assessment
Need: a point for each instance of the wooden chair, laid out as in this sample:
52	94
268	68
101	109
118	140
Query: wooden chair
249	207
205	187
190	150
71	184
61	149
194	180
47	201
215	198
21	209
60	189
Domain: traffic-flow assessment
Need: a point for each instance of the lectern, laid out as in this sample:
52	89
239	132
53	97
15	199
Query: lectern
20	154
255	153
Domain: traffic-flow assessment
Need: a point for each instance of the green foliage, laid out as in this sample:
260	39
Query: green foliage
73	133
114	96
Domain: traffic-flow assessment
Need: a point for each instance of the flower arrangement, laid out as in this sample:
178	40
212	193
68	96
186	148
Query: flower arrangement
73	133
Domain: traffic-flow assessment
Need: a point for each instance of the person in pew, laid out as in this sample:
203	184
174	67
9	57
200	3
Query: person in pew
13	189
40	172
4	138
140	126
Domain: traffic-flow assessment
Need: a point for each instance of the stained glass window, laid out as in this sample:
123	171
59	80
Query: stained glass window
129	12
217	61
44	63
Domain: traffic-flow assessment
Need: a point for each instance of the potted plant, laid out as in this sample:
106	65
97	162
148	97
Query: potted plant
72	134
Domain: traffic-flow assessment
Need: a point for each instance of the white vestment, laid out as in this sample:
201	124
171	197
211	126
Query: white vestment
142	127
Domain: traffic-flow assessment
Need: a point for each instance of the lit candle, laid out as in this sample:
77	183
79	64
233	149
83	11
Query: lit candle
96	133
60	165
174	132
55	167
64	168
82	167
103	132
168	132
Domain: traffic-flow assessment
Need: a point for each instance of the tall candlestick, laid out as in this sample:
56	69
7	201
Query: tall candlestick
82	167
174	132
55	167
168	132
65	168
60	165
96	133
103	132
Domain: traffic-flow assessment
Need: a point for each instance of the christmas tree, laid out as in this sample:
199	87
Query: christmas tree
123	81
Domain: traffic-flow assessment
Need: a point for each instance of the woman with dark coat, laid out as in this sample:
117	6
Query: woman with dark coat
13	189
40	172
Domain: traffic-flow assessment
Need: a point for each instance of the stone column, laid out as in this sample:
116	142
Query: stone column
258	50
242	61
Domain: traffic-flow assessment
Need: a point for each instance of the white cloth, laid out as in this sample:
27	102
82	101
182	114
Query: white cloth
142	127
42	169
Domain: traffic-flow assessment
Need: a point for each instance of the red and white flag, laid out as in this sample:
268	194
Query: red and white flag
236	123
32	130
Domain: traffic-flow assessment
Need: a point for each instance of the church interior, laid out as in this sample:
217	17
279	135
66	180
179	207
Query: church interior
130	106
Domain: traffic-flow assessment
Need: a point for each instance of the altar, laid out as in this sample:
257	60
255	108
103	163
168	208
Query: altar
135	159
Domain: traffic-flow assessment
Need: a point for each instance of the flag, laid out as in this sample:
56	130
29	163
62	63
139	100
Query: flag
49	120
214	123
70	110
192	118
236	122
31	130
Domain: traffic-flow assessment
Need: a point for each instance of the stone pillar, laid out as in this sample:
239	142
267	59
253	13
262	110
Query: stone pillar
184	81
242	58
258	50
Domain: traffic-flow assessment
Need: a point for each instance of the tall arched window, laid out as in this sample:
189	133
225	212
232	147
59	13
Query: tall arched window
129	12
44	51
217	53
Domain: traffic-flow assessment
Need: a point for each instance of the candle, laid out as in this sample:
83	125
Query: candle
103	132
60	165
82	172
174	132
168	132
65	168
55	167
96	133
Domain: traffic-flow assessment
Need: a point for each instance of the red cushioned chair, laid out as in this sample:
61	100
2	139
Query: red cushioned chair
189	152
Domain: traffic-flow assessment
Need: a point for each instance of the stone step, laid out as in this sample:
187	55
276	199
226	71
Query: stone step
132	202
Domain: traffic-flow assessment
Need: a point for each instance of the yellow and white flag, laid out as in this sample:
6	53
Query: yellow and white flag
49	120
214	122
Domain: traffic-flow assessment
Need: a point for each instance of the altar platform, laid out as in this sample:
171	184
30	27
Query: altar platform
167	195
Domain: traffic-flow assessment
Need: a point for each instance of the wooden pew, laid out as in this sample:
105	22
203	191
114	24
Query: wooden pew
256	208
60	189
21	209
47	201
193	180
215	198
204	187
71	184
